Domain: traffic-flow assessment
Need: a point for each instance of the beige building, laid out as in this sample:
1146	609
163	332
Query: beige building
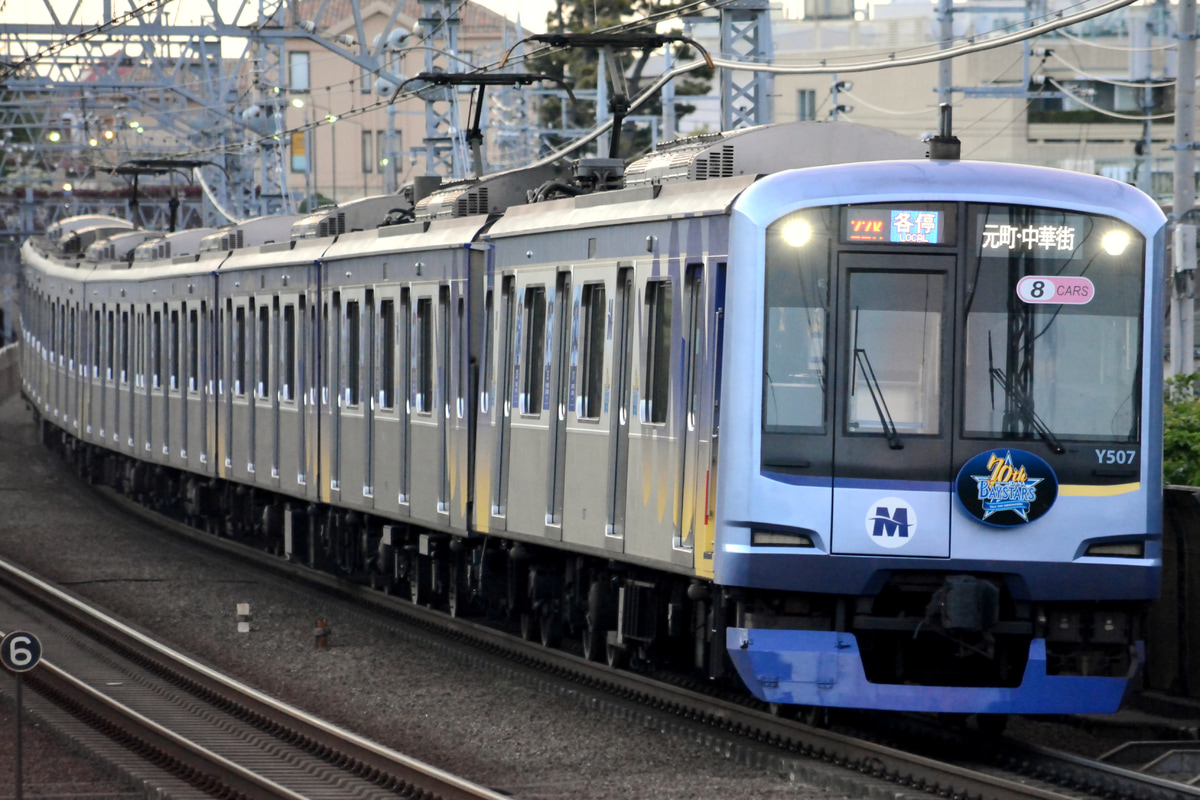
1104	64
355	144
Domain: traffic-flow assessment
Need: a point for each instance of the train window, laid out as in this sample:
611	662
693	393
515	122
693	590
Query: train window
156	349
387	372
795	339
895	353
424	356
485	389
110	353
124	347
239	351
353	351
658	352
173	353
287	387
193	350
1053	326
70	343
591	350
533	359
96	343
444	339
695	342
263	356
461	394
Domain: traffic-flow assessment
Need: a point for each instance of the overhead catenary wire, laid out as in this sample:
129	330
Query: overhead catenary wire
1093	107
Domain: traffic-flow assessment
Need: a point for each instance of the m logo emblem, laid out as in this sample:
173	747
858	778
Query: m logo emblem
891	522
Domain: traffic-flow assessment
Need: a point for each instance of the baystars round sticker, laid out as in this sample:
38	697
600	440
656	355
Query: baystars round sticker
891	522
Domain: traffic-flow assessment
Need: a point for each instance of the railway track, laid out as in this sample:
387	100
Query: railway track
998	769
168	721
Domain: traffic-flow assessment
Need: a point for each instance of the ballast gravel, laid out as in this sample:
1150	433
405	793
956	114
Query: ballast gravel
488	728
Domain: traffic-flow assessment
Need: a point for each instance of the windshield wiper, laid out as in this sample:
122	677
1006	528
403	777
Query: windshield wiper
881	409
1024	404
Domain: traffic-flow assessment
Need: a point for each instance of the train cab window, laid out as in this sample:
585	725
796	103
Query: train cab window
353	351
895	352
387	372
239	351
156	350
533	359
287	387
423	402
591	350
658	352
193	351
173	353
263	354
1053	326
798	286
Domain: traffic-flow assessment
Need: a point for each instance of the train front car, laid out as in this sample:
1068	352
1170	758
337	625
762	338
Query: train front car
939	485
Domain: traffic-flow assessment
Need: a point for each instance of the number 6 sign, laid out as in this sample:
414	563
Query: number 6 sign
20	651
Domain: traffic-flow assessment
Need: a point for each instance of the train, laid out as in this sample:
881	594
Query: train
811	407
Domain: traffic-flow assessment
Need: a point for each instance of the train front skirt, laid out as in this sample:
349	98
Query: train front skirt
824	668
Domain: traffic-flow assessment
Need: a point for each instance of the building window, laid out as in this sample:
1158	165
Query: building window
298	71
300	151
382	156
806	105
368	151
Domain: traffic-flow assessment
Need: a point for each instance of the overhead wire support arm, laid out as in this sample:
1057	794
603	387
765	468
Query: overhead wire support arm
480	80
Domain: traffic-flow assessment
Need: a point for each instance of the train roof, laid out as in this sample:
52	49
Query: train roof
973	181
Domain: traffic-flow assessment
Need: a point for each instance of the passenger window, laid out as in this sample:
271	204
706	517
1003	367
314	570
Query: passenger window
110	354
173	356
387	375
156	350
533	359
353	351
125	347
424	355
658	352
264	352
289	353
193	348
591	351
239	351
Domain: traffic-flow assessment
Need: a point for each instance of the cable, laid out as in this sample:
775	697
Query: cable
857	99
1112	81
1121	48
1104	111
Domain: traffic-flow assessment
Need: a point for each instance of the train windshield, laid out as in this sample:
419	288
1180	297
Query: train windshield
1053	318
1033	314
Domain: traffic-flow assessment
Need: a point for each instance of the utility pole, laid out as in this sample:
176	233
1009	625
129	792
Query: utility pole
946	65
1183	309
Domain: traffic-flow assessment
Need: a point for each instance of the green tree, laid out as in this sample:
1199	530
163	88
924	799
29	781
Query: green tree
579	66
1181	431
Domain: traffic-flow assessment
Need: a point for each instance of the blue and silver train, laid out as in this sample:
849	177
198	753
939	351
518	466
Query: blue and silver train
795	406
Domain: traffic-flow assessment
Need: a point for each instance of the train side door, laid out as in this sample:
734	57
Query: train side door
559	404
505	350
624	337
894	348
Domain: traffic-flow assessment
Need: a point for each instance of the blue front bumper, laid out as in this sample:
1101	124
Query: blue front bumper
824	668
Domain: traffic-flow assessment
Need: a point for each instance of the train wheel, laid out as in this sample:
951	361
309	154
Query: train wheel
418	581
529	626
549	627
593	644
615	656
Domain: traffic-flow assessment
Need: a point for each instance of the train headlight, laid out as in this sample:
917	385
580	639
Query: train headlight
780	539
797	233
1115	242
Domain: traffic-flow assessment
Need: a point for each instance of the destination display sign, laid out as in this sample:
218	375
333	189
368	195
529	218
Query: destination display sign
894	226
